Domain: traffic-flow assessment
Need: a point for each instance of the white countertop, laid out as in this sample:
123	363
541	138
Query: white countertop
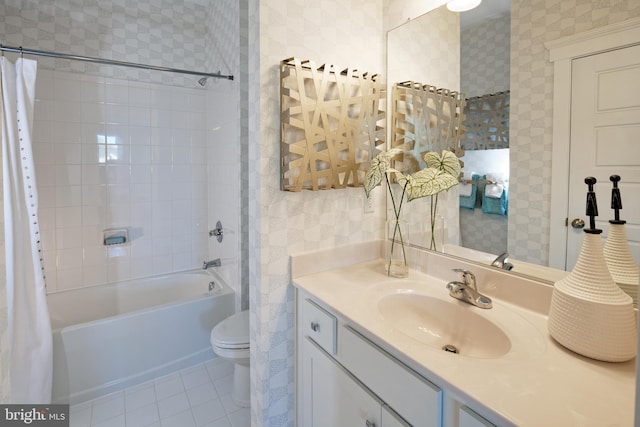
550	386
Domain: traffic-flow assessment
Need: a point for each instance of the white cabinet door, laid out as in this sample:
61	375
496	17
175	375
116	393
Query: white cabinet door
334	398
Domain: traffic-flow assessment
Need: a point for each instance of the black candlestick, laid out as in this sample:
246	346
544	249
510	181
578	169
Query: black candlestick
616	200
592	206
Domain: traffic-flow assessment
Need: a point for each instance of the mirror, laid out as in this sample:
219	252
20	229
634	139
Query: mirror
442	48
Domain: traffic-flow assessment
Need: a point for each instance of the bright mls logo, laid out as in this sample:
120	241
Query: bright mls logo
34	415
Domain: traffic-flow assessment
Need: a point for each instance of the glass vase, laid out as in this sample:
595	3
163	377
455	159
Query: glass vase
396	264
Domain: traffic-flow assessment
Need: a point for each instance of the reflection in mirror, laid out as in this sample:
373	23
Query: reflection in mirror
424	49
427	50
484	79
469	53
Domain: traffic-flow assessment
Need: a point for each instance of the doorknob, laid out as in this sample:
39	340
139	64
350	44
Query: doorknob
577	223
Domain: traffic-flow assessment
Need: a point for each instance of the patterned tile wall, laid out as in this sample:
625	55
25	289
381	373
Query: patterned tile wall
397	12
251	273
485	52
156	32
345	33
532	24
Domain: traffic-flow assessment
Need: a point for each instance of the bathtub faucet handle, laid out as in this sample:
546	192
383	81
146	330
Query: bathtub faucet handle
217	232
213	263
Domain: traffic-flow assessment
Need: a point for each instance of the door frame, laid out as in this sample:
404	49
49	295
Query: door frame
561	53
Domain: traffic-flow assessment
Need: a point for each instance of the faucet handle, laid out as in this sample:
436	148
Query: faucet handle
468	277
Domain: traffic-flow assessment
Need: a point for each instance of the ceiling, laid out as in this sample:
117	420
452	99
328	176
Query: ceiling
487	9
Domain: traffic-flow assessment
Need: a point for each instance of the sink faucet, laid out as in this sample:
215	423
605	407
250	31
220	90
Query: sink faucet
501	261
214	263
467	290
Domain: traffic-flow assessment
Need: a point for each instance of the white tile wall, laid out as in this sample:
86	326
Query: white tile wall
113	153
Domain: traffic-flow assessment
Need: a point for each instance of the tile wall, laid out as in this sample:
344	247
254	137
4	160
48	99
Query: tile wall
114	153
125	147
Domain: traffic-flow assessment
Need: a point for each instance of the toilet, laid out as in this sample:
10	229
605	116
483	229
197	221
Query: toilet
230	340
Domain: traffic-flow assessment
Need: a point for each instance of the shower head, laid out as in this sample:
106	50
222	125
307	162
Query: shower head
203	81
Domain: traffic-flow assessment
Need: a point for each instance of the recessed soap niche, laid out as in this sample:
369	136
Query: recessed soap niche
115	236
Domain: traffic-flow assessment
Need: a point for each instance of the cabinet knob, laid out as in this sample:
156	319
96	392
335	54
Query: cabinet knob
370	423
315	326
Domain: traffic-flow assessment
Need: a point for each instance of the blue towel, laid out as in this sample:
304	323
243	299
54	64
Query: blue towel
469	202
496	206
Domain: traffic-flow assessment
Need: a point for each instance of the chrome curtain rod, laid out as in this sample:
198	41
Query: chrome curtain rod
22	50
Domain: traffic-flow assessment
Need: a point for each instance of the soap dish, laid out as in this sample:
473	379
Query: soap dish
115	236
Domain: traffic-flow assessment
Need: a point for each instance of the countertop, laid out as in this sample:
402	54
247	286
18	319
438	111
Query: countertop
550	386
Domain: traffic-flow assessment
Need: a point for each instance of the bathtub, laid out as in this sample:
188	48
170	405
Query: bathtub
113	336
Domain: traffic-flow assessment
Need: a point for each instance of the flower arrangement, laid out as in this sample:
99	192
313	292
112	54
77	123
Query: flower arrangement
442	172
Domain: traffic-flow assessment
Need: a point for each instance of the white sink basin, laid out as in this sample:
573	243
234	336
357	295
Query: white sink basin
462	328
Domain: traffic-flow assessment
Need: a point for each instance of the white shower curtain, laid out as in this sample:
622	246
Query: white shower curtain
30	342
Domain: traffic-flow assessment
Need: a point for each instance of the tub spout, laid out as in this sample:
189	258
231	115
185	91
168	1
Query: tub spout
213	263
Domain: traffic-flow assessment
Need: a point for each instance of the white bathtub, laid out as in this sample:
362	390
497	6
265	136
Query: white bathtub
109	337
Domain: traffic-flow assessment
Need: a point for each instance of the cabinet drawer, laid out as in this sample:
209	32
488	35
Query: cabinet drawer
391	419
319	325
468	418
416	399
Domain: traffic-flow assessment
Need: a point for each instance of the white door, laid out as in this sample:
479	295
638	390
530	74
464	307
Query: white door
605	141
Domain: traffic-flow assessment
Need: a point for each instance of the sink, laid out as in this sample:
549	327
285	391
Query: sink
449	325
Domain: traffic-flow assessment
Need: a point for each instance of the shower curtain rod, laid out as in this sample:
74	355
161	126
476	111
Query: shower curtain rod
22	50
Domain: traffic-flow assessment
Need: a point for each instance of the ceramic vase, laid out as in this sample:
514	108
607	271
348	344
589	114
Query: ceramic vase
589	313
396	264
620	262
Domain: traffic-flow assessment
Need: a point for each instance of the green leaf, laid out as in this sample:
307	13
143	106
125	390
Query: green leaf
379	165
428	182
447	162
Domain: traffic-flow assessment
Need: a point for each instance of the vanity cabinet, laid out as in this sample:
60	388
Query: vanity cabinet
346	380
334	397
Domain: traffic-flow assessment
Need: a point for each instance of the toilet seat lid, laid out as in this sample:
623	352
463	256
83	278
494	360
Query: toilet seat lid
232	332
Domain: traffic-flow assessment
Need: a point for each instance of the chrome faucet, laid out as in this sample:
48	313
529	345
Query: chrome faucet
501	262
467	290
214	263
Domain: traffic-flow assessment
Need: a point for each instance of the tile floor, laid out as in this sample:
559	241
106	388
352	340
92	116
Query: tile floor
199	396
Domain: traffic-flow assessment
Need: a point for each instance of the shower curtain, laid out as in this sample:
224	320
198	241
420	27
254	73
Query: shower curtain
29	328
